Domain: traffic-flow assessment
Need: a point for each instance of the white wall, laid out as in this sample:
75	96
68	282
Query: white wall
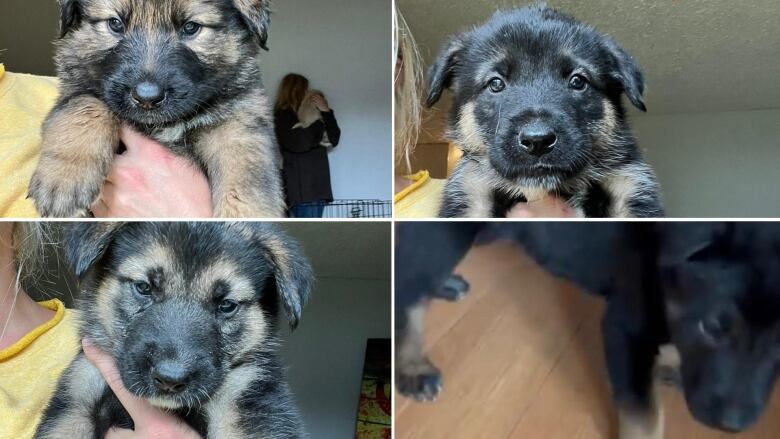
325	355
343	47
715	164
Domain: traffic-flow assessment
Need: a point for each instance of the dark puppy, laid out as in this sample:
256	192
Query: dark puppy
537	110
705	290
184	72
188	311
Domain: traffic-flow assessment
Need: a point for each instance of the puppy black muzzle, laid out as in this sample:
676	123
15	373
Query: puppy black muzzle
171	353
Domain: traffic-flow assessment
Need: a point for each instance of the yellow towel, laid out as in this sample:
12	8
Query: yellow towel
24	102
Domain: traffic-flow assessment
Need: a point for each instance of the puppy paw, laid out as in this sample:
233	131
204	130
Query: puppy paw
423	387
66	193
455	288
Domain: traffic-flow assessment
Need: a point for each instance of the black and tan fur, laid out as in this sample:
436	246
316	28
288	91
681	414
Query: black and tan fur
533	54
214	111
159	297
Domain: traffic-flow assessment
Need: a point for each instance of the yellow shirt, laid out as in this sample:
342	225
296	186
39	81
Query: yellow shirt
420	200
25	100
30	369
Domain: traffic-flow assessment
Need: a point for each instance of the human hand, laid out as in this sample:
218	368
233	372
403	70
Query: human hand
320	102
150	181
547	207
150	422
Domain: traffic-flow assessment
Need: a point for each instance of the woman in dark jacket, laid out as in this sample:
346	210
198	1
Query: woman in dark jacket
304	144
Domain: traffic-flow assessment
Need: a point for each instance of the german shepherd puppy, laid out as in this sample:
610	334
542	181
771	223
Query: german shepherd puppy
188	311
537	110
183	72
707	291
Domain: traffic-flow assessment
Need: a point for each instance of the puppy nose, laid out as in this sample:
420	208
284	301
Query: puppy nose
170	376
148	95
537	140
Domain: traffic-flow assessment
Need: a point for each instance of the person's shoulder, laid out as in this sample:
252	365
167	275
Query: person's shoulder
28	90
420	200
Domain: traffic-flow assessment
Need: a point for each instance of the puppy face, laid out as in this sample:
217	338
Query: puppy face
181	305
723	306
536	92
154	62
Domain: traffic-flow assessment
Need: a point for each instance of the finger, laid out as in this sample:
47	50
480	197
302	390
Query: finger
132	139
136	407
100	209
120	433
521	210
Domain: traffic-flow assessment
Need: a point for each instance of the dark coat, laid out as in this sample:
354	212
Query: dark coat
306	168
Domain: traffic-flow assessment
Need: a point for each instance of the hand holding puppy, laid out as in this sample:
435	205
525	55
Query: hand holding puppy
149	180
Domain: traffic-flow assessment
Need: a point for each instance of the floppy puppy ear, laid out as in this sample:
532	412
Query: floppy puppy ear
441	73
257	16
628	74
680	242
70	15
85	244
293	274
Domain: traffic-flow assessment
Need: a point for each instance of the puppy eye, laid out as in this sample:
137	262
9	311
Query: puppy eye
578	82
496	85
228	307
717	328
116	26
142	288
190	28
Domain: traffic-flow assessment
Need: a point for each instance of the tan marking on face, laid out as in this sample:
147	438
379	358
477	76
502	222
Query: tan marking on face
470	133
156	255
106	302
607	126
241	289
254	333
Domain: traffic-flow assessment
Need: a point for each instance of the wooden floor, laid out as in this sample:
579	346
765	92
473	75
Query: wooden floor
522	358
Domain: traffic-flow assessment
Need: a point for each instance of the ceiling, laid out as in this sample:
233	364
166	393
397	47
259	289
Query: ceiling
698	55
346	250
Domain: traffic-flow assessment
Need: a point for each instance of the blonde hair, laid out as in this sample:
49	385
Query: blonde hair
291	92
408	83
29	241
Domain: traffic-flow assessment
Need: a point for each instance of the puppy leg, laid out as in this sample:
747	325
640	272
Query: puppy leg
252	403
630	354
80	136
634	192
415	375
70	414
468	193
241	163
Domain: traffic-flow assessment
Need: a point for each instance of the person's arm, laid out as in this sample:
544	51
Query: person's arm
297	140
331	127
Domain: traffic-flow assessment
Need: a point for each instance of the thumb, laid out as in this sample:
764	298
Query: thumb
137	408
133	140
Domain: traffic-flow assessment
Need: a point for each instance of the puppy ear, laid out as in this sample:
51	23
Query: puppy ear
681	242
628	74
441	73
85	244
257	16
294	276
70	15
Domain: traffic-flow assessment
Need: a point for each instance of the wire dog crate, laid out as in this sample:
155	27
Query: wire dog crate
344	209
